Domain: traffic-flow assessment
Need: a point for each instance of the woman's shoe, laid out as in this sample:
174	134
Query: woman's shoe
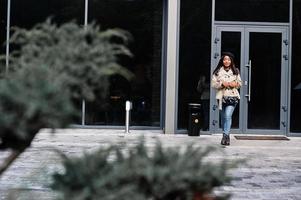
224	139
227	140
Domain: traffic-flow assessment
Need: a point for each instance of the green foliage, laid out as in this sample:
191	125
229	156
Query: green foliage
163	174
83	58
51	68
31	100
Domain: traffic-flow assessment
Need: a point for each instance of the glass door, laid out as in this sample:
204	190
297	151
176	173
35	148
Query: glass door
264	72
261	56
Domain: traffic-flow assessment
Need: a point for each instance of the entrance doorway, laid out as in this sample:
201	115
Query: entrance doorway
261	54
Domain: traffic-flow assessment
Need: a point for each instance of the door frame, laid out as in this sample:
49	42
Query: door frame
245	30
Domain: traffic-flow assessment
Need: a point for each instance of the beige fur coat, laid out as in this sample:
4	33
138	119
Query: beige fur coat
221	91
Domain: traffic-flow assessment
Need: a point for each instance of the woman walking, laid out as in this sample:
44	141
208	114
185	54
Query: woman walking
226	80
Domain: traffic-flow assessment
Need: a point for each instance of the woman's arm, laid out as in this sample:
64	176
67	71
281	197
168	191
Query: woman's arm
216	82
236	83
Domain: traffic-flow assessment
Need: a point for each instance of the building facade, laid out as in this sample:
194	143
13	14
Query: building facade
175	43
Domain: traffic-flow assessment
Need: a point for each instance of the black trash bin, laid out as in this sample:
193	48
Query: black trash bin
194	123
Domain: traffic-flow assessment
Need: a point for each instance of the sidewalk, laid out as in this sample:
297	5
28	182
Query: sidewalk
273	171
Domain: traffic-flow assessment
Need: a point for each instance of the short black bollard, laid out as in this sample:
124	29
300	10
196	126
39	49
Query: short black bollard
194	123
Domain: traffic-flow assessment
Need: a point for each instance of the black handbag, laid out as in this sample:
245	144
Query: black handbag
230	100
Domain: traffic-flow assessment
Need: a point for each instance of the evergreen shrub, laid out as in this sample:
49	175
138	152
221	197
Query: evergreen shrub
138	173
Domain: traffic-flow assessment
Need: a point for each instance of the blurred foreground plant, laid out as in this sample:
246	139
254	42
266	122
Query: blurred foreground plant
83	58
52	68
31	100
138	174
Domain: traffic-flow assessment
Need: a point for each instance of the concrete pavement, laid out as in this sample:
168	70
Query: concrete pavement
273	171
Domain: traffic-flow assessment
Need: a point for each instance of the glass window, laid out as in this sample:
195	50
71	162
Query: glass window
252	10
143	19
30	12
194	59
296	69
262	112
3	24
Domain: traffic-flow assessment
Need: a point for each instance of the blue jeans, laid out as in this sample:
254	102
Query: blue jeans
226	118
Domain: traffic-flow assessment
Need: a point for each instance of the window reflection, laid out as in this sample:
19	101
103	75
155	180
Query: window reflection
194	58
296	69
30	12
143	19
252	10
3	24
262	112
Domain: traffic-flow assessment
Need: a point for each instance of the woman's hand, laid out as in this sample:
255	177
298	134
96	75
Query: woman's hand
233	84
226	84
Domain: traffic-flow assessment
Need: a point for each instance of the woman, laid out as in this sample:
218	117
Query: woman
204	89
226	80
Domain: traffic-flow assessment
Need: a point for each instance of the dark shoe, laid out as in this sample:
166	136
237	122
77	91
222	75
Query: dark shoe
227	140
224	139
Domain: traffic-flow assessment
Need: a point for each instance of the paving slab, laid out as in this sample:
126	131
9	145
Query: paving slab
273	170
